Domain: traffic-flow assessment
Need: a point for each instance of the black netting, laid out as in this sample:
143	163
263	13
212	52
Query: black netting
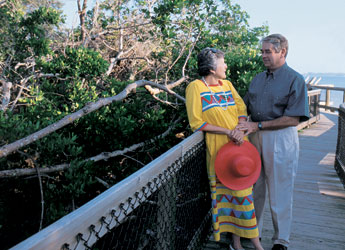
340	152
171	212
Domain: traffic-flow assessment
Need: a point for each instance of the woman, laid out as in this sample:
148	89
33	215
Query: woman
214	106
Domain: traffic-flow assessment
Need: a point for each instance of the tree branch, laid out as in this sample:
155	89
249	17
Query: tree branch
90	107
102	182
2	3
114	60
82	13
190	53
100	157
170	86
127	156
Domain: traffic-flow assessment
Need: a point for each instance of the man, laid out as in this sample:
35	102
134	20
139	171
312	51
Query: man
276	101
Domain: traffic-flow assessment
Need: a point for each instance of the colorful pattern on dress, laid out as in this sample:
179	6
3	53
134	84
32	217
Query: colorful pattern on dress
247	200
245	215
219	99
233	211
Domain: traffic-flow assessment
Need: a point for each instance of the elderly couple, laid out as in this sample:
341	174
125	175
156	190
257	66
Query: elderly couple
276	102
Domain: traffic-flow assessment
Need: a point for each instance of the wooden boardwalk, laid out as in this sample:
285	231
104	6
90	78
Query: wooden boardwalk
319	196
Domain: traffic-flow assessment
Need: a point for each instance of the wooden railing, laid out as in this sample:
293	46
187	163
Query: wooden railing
182	165
328	89
314	110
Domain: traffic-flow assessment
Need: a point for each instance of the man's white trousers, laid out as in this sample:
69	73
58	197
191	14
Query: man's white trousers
279	150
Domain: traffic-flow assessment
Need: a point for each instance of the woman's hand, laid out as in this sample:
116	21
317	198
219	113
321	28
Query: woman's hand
236	136
247	127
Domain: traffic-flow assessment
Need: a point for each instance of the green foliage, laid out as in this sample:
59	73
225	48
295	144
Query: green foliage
243	64
32	38
9	20
76	62
25	37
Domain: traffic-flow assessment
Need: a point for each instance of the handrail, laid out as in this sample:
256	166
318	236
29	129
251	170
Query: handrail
313	101
328	88
66	230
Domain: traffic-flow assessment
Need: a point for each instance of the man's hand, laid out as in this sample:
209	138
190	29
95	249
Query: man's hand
279	123
247	127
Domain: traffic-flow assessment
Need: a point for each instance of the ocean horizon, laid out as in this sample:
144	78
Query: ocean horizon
324	74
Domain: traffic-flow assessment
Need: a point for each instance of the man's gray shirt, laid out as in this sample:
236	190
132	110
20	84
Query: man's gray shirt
281	93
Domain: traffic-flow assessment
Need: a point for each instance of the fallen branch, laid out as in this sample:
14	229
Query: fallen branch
90	107
100	157
30	171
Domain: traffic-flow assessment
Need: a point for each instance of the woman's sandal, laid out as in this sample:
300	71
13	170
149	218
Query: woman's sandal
231	248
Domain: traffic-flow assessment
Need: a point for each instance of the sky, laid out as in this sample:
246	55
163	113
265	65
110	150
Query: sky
314	29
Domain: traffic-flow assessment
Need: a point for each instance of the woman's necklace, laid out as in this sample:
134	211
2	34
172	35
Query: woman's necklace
212	94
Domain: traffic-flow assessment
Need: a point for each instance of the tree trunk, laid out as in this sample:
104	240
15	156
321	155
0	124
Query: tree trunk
82	13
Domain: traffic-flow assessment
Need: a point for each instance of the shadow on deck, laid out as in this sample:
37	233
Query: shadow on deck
319	196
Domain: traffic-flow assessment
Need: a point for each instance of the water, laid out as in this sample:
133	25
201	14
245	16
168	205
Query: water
338	80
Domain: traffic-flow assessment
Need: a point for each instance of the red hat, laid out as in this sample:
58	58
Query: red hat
238	167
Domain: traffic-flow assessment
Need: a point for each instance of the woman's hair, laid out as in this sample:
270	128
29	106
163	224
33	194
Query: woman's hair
278	41
207	60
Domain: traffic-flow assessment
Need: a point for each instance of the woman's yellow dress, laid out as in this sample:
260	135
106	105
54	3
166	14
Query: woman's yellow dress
233	211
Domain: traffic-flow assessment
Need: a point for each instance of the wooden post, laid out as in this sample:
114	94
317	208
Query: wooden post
328	97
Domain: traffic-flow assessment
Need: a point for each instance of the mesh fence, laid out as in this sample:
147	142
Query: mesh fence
171	212
340	152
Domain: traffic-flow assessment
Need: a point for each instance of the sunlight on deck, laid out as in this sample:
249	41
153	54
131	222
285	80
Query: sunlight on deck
331	186
320	130
336	190
328	159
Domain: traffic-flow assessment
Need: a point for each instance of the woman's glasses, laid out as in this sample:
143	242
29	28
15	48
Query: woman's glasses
213	50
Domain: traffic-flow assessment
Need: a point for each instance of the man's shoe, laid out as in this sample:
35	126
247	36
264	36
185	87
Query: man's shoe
279	247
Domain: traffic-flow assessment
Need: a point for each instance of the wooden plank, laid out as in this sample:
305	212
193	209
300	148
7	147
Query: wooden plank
305	124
